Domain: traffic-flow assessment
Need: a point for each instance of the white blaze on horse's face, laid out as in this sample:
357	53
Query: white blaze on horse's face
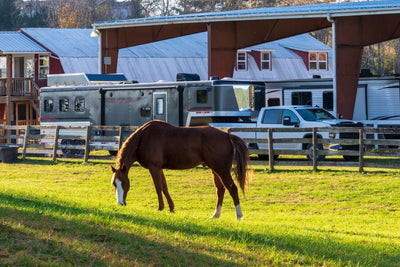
119	191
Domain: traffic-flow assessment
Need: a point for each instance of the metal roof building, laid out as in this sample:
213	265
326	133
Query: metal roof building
354	25
16	42
162	60
76	50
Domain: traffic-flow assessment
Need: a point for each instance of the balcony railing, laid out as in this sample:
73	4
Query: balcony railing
19	87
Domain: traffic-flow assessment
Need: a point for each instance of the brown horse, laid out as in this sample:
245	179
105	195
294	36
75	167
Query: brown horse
158	145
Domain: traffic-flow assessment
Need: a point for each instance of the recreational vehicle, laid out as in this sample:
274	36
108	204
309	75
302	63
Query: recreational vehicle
376	97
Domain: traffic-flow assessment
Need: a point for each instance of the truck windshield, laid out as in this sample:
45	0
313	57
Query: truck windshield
315	114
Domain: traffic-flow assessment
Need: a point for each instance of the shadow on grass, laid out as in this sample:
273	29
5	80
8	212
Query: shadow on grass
36	239
128	248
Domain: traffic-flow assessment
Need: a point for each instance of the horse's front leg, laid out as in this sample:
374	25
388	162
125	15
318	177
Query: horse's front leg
220	194
156	174
166	193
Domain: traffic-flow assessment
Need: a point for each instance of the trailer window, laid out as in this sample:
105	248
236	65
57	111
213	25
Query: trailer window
160	106
145	111
79	104
327	100
272	102
63	105
302	98
201	96
48	105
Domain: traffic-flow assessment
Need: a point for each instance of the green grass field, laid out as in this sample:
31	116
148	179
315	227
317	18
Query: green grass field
66	214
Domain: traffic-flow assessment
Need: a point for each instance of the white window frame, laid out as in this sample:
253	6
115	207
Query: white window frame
240	62
262	60
44	70
317	61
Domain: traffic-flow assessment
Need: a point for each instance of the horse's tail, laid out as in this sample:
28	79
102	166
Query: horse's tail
241	159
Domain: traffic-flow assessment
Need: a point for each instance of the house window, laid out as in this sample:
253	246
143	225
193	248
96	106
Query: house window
43	66
3	67
266	60
318	61
241	61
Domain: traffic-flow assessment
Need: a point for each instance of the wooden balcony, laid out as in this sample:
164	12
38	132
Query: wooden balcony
18	87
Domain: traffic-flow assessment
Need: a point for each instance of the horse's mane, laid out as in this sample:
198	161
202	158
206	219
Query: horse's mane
127	154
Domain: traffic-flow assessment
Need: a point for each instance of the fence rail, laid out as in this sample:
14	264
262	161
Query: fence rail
79	141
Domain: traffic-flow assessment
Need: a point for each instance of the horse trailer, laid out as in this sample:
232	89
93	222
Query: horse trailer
186	102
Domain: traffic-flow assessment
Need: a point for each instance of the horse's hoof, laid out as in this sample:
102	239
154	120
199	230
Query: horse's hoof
172	211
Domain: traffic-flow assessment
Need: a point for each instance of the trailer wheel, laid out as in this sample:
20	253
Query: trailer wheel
310	148
79	142
67	151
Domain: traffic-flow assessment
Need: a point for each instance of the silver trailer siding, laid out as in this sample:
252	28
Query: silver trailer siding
135	104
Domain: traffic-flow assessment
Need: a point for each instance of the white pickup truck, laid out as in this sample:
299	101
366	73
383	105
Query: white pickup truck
295	116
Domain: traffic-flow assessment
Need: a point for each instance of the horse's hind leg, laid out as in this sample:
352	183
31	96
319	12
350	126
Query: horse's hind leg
156	174
166	193
227	180
220	194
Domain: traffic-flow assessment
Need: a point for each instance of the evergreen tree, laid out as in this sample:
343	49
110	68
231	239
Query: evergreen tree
8	15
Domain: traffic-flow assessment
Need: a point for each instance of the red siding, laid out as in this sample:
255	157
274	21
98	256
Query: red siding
257	57
304	57
55	66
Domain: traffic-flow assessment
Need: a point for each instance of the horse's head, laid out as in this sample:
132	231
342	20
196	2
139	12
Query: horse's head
120	181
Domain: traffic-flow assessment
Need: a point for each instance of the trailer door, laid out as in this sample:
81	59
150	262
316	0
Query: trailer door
160	106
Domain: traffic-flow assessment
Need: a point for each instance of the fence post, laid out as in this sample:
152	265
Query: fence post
120	137
56	143
87	144
315	144
270	150
25	141
361	150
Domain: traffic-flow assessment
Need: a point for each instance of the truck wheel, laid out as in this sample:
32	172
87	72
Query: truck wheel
350	158
309	148
266	157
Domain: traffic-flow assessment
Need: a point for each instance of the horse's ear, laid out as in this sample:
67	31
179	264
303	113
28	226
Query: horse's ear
112	169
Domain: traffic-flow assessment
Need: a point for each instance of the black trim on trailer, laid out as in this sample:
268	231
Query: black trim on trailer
102	106
180	89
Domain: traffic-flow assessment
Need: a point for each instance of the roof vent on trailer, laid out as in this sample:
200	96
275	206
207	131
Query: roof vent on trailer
180	77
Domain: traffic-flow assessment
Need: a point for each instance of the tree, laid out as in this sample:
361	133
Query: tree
8	15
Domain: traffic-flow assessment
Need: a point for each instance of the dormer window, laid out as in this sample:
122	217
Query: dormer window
265	60
241	60
318	61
